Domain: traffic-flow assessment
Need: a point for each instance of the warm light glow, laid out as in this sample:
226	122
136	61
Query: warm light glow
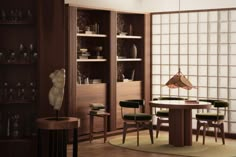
179	81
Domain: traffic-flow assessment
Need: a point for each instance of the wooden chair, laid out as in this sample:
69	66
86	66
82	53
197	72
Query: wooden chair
163	114
135	118
212	119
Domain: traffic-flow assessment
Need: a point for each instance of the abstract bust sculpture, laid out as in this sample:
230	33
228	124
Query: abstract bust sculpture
56	93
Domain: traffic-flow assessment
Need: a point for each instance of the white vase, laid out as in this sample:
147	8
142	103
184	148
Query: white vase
133	51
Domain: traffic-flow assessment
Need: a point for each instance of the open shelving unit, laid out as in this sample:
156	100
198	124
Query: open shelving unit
116	41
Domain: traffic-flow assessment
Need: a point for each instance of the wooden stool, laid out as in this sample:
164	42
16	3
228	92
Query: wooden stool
54	125
104	116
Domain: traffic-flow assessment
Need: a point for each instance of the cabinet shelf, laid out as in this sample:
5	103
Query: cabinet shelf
91	60
129	59
25	22
128	37
16	102
17	63
91	84
91	35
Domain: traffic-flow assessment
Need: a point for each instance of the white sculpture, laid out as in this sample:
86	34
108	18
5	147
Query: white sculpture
56	93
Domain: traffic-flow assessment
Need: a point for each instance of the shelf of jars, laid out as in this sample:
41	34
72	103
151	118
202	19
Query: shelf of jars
16	16
22	55
19	93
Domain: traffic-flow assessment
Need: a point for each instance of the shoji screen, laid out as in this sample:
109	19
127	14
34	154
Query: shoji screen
207	41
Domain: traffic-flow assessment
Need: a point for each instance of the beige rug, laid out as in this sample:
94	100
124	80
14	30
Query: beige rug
210	149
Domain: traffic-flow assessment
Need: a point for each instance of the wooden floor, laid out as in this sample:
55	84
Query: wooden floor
99	149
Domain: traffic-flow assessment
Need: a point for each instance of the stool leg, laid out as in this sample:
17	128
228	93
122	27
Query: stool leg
39	144
91	128
105	128
75	142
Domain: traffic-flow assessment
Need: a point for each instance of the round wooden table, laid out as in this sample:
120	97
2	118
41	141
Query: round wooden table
55	126
180	119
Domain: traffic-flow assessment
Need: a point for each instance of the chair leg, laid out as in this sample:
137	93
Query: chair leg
216	132
198	129
204	133
150	132
222	132
137	124
158	126
124	132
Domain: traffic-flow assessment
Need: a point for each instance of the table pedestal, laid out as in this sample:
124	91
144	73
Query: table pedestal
180	127
57	129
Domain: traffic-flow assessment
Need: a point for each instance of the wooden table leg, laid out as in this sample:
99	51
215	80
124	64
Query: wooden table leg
187	127
176	127
75	142
91	128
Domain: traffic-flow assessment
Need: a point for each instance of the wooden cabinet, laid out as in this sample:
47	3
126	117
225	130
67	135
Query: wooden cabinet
18	79
89	53
114	74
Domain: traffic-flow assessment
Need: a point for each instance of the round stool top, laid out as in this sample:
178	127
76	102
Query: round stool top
51	123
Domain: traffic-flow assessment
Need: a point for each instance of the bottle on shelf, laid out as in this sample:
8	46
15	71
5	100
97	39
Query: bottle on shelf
12	56
5	91
24	56
1	124
32	91
15	125
33	53
3	16
8	124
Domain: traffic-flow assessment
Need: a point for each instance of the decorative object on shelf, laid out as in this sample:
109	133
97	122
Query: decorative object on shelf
83	53
98	50
56	93
179	80
86	80
133	51
132	74
130	29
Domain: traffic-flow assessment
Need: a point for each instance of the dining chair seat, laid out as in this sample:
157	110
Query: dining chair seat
138	117
163	113
209	116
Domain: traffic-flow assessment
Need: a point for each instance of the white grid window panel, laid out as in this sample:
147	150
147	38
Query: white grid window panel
207	55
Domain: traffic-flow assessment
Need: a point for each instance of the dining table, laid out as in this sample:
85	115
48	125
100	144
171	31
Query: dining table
180	119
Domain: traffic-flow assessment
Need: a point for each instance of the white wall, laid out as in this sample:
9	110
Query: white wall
153	5
118	5
172	5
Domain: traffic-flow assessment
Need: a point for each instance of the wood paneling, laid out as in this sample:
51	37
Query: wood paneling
52	52
86	94
126	91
